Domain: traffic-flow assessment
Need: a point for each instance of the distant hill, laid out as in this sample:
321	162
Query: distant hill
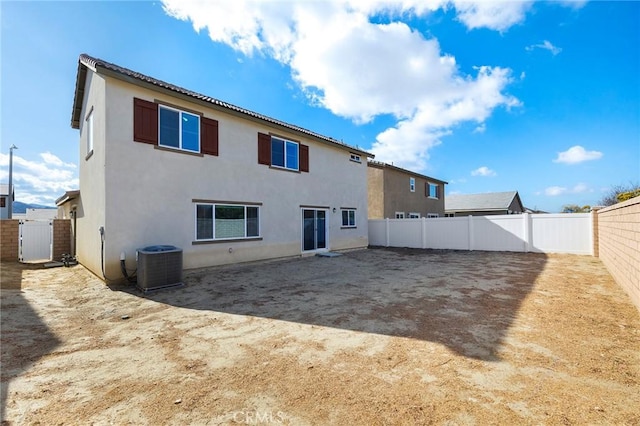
20	207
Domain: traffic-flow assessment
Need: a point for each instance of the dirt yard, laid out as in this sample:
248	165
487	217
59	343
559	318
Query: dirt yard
373	337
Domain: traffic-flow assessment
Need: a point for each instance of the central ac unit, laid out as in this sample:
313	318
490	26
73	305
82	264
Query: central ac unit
159	267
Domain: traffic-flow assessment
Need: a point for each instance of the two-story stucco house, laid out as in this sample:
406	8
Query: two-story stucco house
160	164
397	193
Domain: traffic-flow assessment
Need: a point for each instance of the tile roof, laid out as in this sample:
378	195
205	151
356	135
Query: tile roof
98	65
381	165
478	202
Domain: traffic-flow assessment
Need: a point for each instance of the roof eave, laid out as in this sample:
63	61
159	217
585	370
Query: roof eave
97	66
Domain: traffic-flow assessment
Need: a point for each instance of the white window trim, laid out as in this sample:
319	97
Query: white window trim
355	158
213	223
399	215
90	136
437	190
355	220
432	215
180	112
414	215
285	154
412	184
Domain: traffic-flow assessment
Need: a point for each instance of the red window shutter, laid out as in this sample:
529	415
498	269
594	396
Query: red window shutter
208	136
304	158
264	149
145	121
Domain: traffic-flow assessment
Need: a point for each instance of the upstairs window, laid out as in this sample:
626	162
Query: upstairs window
433	190
169	127
179	129
89	125
281	153
355	158
412	184
284	153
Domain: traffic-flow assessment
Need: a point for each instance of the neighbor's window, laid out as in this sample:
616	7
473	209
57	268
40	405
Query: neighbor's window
348	218
399	215
412	184
89	124
284	153
221	222
414	215
433	190
179	129
432	215
356	158
3	202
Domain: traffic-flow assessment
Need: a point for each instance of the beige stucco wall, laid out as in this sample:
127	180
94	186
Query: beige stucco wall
149	193
397	197
375	189
619	244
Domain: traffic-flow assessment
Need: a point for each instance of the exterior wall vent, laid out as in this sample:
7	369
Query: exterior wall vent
159	267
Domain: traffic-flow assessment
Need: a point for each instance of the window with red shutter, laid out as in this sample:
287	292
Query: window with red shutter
304	158
145	121
209	136
264	149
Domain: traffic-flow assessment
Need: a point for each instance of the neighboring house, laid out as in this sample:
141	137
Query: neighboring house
398	193
490	203
162	165
4	201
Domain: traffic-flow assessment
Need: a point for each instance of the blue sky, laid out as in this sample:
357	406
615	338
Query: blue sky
538	97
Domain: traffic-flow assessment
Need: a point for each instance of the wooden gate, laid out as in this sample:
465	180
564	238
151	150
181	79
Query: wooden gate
36	241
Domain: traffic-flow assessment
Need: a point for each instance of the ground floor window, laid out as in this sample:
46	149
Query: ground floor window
432	215
414	215
399	215
348	218
227	221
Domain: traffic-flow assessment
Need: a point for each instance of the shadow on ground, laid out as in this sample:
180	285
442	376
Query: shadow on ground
25	338
464	300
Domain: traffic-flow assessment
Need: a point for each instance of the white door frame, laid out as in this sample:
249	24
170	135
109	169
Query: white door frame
326	228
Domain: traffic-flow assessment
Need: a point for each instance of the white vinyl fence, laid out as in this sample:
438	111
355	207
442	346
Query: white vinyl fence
542	233
36	240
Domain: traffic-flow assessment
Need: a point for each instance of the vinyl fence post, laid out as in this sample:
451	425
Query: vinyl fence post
424	232
526	218
386	231
471	237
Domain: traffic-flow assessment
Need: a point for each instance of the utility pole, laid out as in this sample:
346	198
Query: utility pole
10	204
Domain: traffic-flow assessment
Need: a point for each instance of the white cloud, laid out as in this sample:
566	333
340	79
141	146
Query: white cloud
577	154
40	182
483	171
52	159
546	45
359	69
495	15
481	128
554	191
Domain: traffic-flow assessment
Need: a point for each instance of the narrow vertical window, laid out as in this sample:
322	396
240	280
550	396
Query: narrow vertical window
89	124
412	184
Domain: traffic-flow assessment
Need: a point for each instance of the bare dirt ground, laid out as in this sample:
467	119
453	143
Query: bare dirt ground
373	337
